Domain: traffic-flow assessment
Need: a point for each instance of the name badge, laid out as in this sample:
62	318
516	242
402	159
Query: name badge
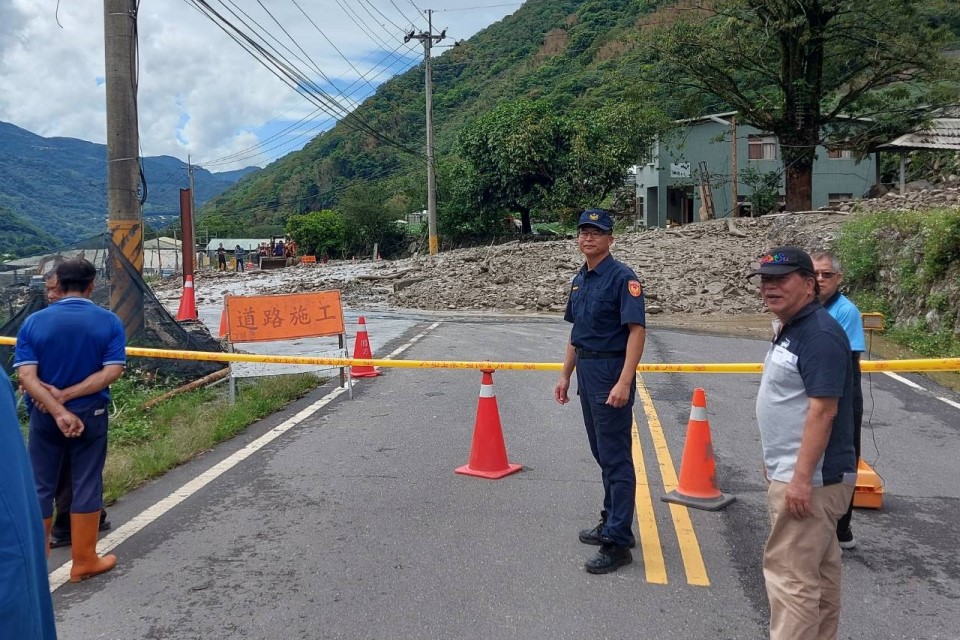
784	358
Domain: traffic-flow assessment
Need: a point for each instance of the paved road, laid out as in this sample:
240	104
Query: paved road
352	524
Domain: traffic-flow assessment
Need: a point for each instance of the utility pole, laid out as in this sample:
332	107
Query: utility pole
734	167
428	39
124	221
193	209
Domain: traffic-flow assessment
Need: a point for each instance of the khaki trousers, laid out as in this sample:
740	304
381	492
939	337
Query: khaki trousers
802	566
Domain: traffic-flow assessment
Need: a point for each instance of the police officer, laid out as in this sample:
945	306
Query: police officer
606	343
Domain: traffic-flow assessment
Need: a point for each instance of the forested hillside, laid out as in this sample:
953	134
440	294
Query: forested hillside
575	54
18	237
575	58
58	185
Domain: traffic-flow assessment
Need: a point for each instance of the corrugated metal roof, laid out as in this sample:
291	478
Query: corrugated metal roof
943	133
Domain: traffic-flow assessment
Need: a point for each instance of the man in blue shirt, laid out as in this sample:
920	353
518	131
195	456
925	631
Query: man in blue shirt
67	355
829	276
805	415
60	533
606	343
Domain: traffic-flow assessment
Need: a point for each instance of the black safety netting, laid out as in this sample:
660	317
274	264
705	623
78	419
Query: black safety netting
24	294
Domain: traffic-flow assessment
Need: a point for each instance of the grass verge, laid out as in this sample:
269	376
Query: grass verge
144	445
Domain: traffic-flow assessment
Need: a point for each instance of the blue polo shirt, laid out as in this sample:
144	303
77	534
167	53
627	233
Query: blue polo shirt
68	341
810	358
847	314
602	302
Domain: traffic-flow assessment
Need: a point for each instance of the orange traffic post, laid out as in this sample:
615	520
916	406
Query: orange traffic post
488	455
223	323
362	351
188	302
698	470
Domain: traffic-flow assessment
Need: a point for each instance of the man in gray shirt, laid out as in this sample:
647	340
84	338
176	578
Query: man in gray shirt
805	414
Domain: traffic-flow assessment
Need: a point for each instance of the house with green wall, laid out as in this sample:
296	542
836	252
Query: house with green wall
694	164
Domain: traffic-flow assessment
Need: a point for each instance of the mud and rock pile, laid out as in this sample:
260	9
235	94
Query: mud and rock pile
698	268
931	197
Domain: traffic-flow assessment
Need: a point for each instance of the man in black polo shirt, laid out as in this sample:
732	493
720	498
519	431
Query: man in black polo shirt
606	342
805	414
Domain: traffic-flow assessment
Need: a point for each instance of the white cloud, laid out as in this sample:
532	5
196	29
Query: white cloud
199	92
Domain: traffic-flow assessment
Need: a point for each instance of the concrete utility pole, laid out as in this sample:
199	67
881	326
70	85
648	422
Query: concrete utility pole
734	167
193	208
428	39
124	221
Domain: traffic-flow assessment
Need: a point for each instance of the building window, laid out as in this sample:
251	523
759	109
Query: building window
838	154
838	198
762	147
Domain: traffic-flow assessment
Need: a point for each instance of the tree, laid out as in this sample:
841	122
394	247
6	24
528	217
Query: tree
527	156
843	73
369	221
318	232
514	152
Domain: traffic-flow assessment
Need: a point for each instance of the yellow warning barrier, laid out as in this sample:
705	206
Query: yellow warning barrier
867	366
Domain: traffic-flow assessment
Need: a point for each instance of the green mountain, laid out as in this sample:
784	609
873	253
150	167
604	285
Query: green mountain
19	237
576	55
573	53
57	186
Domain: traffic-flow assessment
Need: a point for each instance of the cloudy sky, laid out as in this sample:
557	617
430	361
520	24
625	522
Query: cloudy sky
200	93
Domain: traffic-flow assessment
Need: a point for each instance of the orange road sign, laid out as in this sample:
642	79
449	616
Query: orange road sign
299	315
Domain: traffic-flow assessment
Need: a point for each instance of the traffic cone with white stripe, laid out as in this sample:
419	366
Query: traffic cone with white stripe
488	455
698	470
362	351
188	303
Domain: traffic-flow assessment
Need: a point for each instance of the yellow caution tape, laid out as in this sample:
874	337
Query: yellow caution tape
867	366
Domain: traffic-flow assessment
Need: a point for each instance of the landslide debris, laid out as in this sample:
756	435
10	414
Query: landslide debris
697	269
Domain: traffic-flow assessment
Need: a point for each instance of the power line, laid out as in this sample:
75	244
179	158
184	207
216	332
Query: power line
293	77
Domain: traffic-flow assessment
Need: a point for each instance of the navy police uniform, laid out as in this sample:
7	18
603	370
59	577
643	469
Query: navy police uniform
602	303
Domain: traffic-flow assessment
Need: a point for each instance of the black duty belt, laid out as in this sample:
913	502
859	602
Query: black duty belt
598	355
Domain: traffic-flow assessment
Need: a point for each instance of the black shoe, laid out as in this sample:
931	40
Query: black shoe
846	539
61	539
610	557
592	536
104	523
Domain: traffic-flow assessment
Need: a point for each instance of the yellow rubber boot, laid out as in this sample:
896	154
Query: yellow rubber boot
47	527
86	562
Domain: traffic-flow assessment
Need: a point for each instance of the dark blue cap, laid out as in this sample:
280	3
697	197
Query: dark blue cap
596	218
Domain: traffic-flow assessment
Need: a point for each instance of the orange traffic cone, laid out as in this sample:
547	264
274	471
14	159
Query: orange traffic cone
361	351
488	455
698	473
188	304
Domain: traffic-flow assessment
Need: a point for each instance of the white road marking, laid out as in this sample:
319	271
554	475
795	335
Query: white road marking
909	383
955	405
61	575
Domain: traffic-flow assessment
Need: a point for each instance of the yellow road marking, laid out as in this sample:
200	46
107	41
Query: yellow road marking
653	561
687	538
